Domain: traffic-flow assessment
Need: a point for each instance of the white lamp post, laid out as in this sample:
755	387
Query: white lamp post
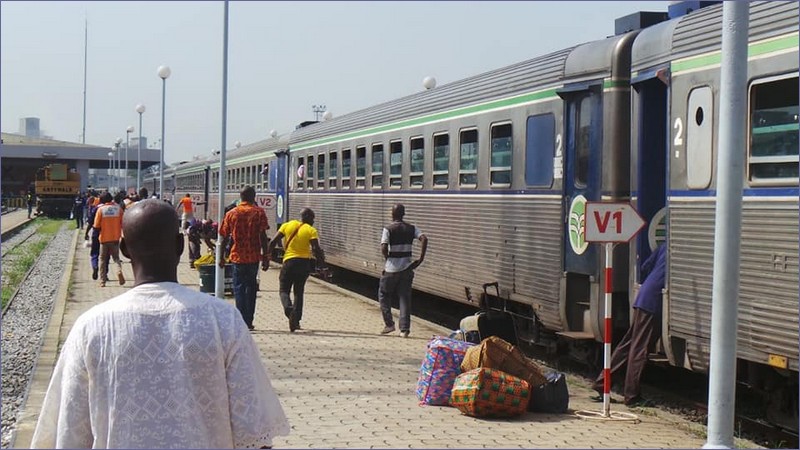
139	109
110	168
117	145
128	132
163	73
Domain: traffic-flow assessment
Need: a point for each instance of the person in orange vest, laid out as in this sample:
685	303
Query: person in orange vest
188	211
108	220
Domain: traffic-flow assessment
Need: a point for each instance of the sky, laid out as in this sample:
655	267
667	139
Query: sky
283	58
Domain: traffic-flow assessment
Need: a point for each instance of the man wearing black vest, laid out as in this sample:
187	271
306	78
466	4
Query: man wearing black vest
397	241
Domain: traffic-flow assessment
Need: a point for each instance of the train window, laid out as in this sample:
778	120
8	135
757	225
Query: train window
321	171
346	160
361	166
773	154
333	157
540	149
583	141
501	150
395	164
301	172
699	134
416	162
310	172
441	161
377	166
468	165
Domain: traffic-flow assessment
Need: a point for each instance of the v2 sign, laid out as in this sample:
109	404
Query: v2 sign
611	222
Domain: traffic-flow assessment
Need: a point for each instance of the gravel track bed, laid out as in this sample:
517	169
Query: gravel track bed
10	242
24	324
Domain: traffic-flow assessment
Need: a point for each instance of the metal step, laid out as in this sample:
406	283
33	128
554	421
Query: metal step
657	358
577	335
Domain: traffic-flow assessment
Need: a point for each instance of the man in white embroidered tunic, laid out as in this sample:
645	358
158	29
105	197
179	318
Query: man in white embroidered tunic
161	366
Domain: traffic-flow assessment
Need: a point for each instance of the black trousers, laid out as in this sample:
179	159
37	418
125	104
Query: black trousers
630	355
293	276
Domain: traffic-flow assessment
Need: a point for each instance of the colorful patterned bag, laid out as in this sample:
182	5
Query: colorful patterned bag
439	369
495	353
486	392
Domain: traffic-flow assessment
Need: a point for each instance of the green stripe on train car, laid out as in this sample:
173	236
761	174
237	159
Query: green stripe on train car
754	49
502	103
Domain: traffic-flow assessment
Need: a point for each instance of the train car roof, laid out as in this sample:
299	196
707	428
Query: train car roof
254	151
519	78
592	60
701	32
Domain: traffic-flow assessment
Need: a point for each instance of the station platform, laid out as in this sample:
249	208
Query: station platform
11	220
343	385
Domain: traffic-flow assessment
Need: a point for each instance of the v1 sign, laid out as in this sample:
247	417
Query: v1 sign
611	222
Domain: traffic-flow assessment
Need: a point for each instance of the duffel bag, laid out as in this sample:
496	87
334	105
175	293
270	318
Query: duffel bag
466	336
552	396
486	392
495	353
441	366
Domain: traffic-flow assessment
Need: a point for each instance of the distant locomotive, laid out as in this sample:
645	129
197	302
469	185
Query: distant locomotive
55	189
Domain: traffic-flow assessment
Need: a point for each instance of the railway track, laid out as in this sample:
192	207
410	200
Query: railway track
26	231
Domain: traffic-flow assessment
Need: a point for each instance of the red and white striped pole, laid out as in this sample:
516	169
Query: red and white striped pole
607	335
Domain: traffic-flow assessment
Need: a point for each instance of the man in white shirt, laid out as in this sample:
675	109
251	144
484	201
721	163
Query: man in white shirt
397	240
161	366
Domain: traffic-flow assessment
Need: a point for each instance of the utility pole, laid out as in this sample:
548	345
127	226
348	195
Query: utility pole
85	53
728	224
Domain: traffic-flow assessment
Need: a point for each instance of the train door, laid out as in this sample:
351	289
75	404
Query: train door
581	184
281	184
650	153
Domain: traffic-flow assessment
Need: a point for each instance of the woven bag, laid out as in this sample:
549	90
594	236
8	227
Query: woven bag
495	353
486	392
439	370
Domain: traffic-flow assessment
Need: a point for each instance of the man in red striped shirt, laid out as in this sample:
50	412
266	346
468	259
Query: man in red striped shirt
247	225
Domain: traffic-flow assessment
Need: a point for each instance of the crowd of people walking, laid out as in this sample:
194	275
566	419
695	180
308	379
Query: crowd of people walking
87	381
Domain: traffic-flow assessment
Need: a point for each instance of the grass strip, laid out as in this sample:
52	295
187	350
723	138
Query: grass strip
22	258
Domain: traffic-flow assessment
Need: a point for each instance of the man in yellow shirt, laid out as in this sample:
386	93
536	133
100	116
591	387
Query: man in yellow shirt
302	240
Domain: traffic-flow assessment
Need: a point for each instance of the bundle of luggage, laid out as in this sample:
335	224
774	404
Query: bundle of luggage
490	379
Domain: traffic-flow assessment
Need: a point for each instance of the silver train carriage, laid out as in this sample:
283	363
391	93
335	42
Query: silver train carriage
676	68
496	170
254	165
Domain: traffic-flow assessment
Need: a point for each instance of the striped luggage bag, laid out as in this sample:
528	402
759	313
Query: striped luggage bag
495	353
441	366
486	392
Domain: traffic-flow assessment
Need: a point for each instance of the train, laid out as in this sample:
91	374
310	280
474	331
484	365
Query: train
496	169
55	188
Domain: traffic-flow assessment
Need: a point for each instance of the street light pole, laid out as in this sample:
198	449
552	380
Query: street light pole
163	73
219	272
129	130
139	109
117	145
110	169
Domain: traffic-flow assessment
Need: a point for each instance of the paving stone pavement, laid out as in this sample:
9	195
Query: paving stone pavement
343	385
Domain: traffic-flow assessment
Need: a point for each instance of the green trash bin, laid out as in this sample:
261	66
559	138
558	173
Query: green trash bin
208	277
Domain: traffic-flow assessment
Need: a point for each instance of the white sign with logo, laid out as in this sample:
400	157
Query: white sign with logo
611	222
